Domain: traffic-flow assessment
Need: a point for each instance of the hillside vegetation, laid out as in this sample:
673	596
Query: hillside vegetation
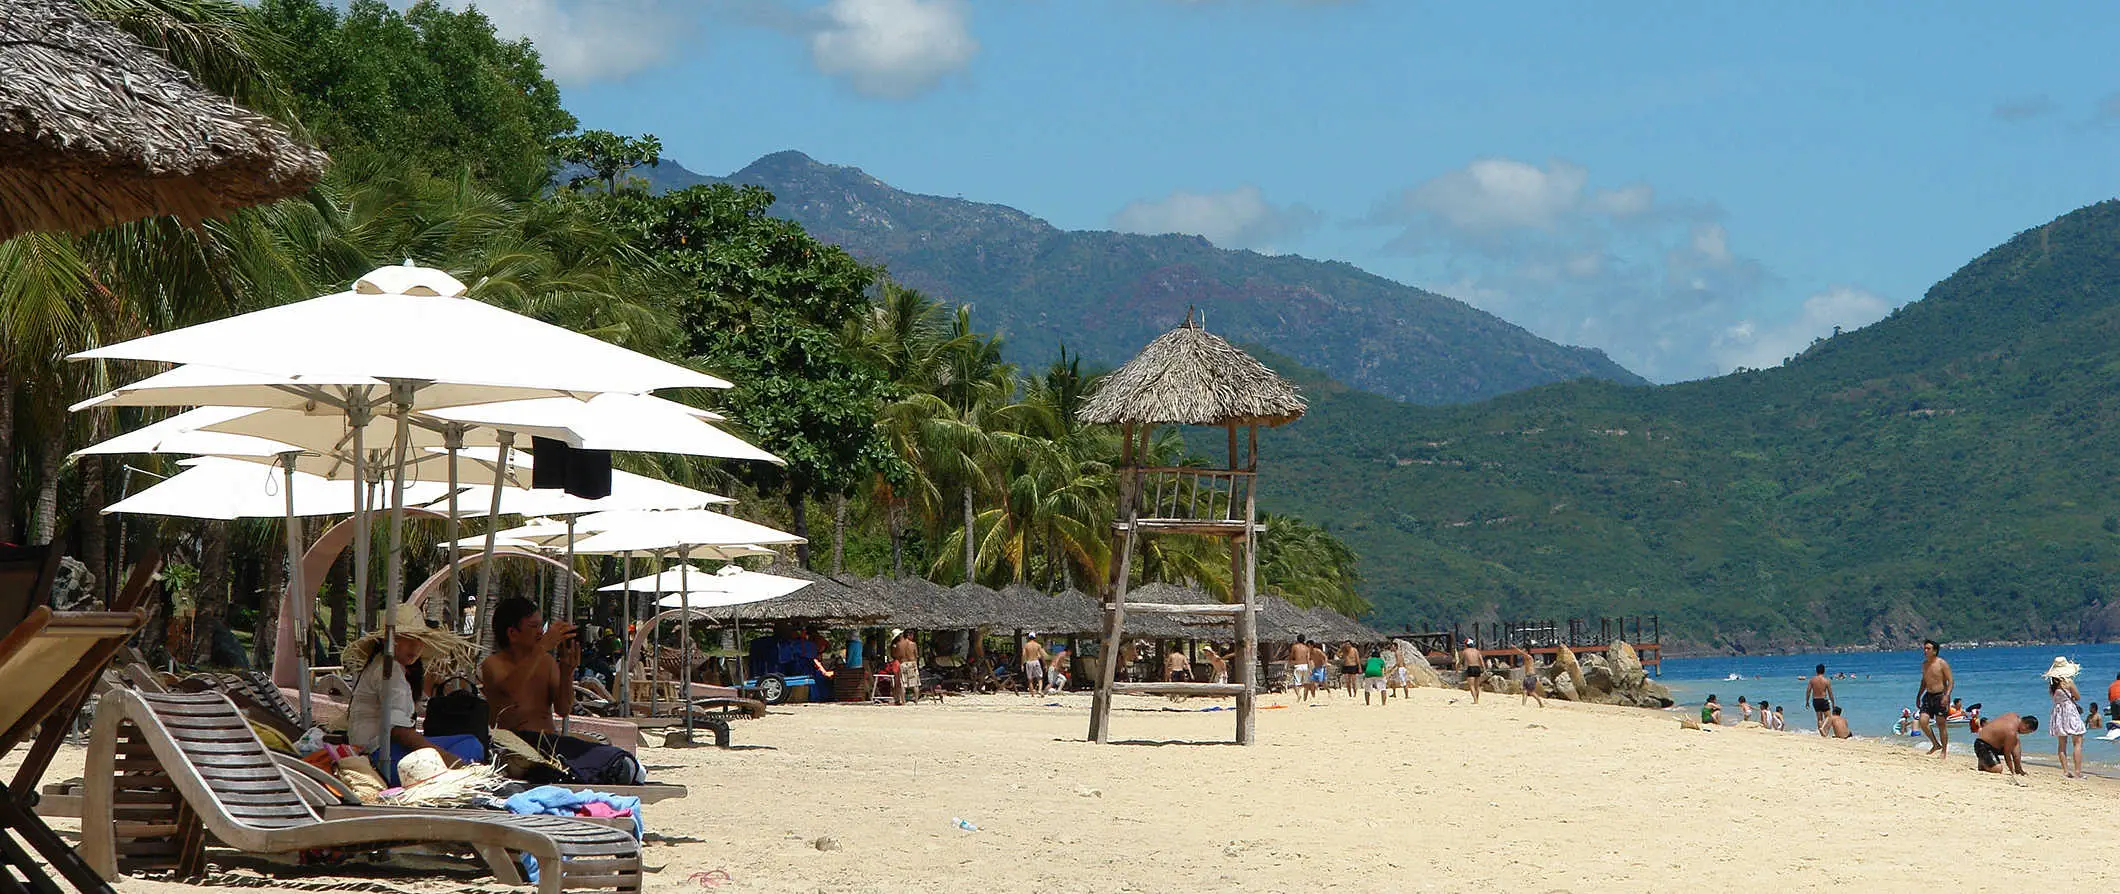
1946	472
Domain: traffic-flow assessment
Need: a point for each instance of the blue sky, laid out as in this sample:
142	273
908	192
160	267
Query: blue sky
1690	187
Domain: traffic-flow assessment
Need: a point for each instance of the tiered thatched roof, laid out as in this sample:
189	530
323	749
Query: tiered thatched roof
96	130
1188	377
1024	607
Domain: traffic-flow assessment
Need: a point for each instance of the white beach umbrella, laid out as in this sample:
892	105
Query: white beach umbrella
181	434
669	581
219	488
732	586
412	328
615	421
206	385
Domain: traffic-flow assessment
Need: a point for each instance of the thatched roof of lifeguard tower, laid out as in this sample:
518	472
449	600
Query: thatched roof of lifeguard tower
97	130
1190	377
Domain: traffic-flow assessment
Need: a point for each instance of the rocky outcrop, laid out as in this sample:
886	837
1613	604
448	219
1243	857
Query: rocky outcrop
1613	678
1418	671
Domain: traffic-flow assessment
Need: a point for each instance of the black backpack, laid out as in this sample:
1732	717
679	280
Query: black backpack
459	713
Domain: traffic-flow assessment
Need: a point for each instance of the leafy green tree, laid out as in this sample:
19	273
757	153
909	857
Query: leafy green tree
607	155
764	304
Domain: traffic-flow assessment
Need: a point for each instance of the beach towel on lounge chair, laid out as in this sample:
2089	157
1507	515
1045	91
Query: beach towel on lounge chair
232	789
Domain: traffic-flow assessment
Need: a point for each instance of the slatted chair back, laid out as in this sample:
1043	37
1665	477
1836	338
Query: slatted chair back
216	745
27	574
46	657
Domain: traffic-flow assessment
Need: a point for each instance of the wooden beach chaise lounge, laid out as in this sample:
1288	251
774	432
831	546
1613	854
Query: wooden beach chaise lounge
46	659
230	787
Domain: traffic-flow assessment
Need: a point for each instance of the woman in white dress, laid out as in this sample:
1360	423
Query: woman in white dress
2067	719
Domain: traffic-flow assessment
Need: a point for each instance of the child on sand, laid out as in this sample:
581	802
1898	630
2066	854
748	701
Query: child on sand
1531	688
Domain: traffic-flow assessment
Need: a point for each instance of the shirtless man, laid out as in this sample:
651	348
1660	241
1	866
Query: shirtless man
523	683
907	654
1034	665
1177	668
1061	661
1820	692
1473	664
1835	726
1998	744
1218	663
1934	696
1350	668
1299	659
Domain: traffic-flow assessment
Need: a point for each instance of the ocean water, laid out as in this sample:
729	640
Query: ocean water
2001	680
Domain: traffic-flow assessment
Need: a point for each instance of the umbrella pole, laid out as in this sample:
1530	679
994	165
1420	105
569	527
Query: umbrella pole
485	568
452	609
394	572
298	597
358	416
625	629
567	609
684	691
655	661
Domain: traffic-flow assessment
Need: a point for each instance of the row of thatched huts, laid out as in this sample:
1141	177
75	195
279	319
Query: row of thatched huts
919	604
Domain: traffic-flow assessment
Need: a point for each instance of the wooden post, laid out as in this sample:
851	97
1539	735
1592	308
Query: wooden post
1115	609
1248	622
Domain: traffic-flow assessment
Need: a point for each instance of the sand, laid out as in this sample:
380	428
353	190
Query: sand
1430	793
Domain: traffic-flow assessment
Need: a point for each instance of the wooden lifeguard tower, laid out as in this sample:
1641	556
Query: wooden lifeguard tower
1188	377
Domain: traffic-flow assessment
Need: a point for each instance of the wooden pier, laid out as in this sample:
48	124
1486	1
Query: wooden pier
1531	643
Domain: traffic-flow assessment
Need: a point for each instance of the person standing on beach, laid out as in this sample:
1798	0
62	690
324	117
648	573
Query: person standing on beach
1350	667
2067	719
1835	726
1934	697
1820	692
1218	663
1373	678
1177	668
1033	664
1530	687
1061	659
2000	743
907	653
1299	659
1473	664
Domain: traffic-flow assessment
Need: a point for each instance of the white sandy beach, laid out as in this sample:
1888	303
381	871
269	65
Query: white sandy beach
1428	794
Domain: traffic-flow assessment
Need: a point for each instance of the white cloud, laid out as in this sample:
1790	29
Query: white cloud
1238	218
1750	344
892	49
590	40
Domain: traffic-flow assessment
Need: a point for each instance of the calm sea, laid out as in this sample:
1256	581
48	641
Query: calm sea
2000	680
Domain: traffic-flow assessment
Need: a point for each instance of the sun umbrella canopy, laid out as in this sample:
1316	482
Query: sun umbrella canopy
731	586
628	491
181	434
414	324
97	130
672	530
200	385
675	579
329	431
218	488
632	422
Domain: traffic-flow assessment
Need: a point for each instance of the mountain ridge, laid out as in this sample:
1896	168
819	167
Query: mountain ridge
1105	294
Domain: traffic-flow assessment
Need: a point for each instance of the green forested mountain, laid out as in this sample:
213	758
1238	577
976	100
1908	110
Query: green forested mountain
1946	472
1106	294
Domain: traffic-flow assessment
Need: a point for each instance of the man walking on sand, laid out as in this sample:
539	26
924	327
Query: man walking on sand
1934	697
2000	743
1373	678
1820	692
1473	664
1034	664
1300	657
1350	668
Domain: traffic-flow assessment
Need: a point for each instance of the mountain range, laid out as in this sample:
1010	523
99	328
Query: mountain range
1948	472
1105	294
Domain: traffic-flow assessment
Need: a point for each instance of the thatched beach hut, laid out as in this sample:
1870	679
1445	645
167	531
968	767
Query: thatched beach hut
1190	377
97	130
824	601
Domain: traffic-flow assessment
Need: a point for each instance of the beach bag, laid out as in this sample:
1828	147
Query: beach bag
595	764
459	713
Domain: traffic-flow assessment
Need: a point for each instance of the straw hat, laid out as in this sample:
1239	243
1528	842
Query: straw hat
444	652
2063	668
420	766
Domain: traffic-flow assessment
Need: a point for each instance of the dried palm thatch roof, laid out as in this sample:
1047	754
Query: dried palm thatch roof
1024	607
96	130
824	600
1188	377
1336	627
1281	622
920	604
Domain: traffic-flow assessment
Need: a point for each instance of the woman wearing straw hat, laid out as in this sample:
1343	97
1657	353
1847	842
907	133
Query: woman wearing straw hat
441	652
2067	720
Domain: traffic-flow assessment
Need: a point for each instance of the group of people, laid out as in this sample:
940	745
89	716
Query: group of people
1998	744
523	687
1310	666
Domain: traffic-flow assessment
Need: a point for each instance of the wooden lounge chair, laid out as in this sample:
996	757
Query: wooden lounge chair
46	659
230	786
